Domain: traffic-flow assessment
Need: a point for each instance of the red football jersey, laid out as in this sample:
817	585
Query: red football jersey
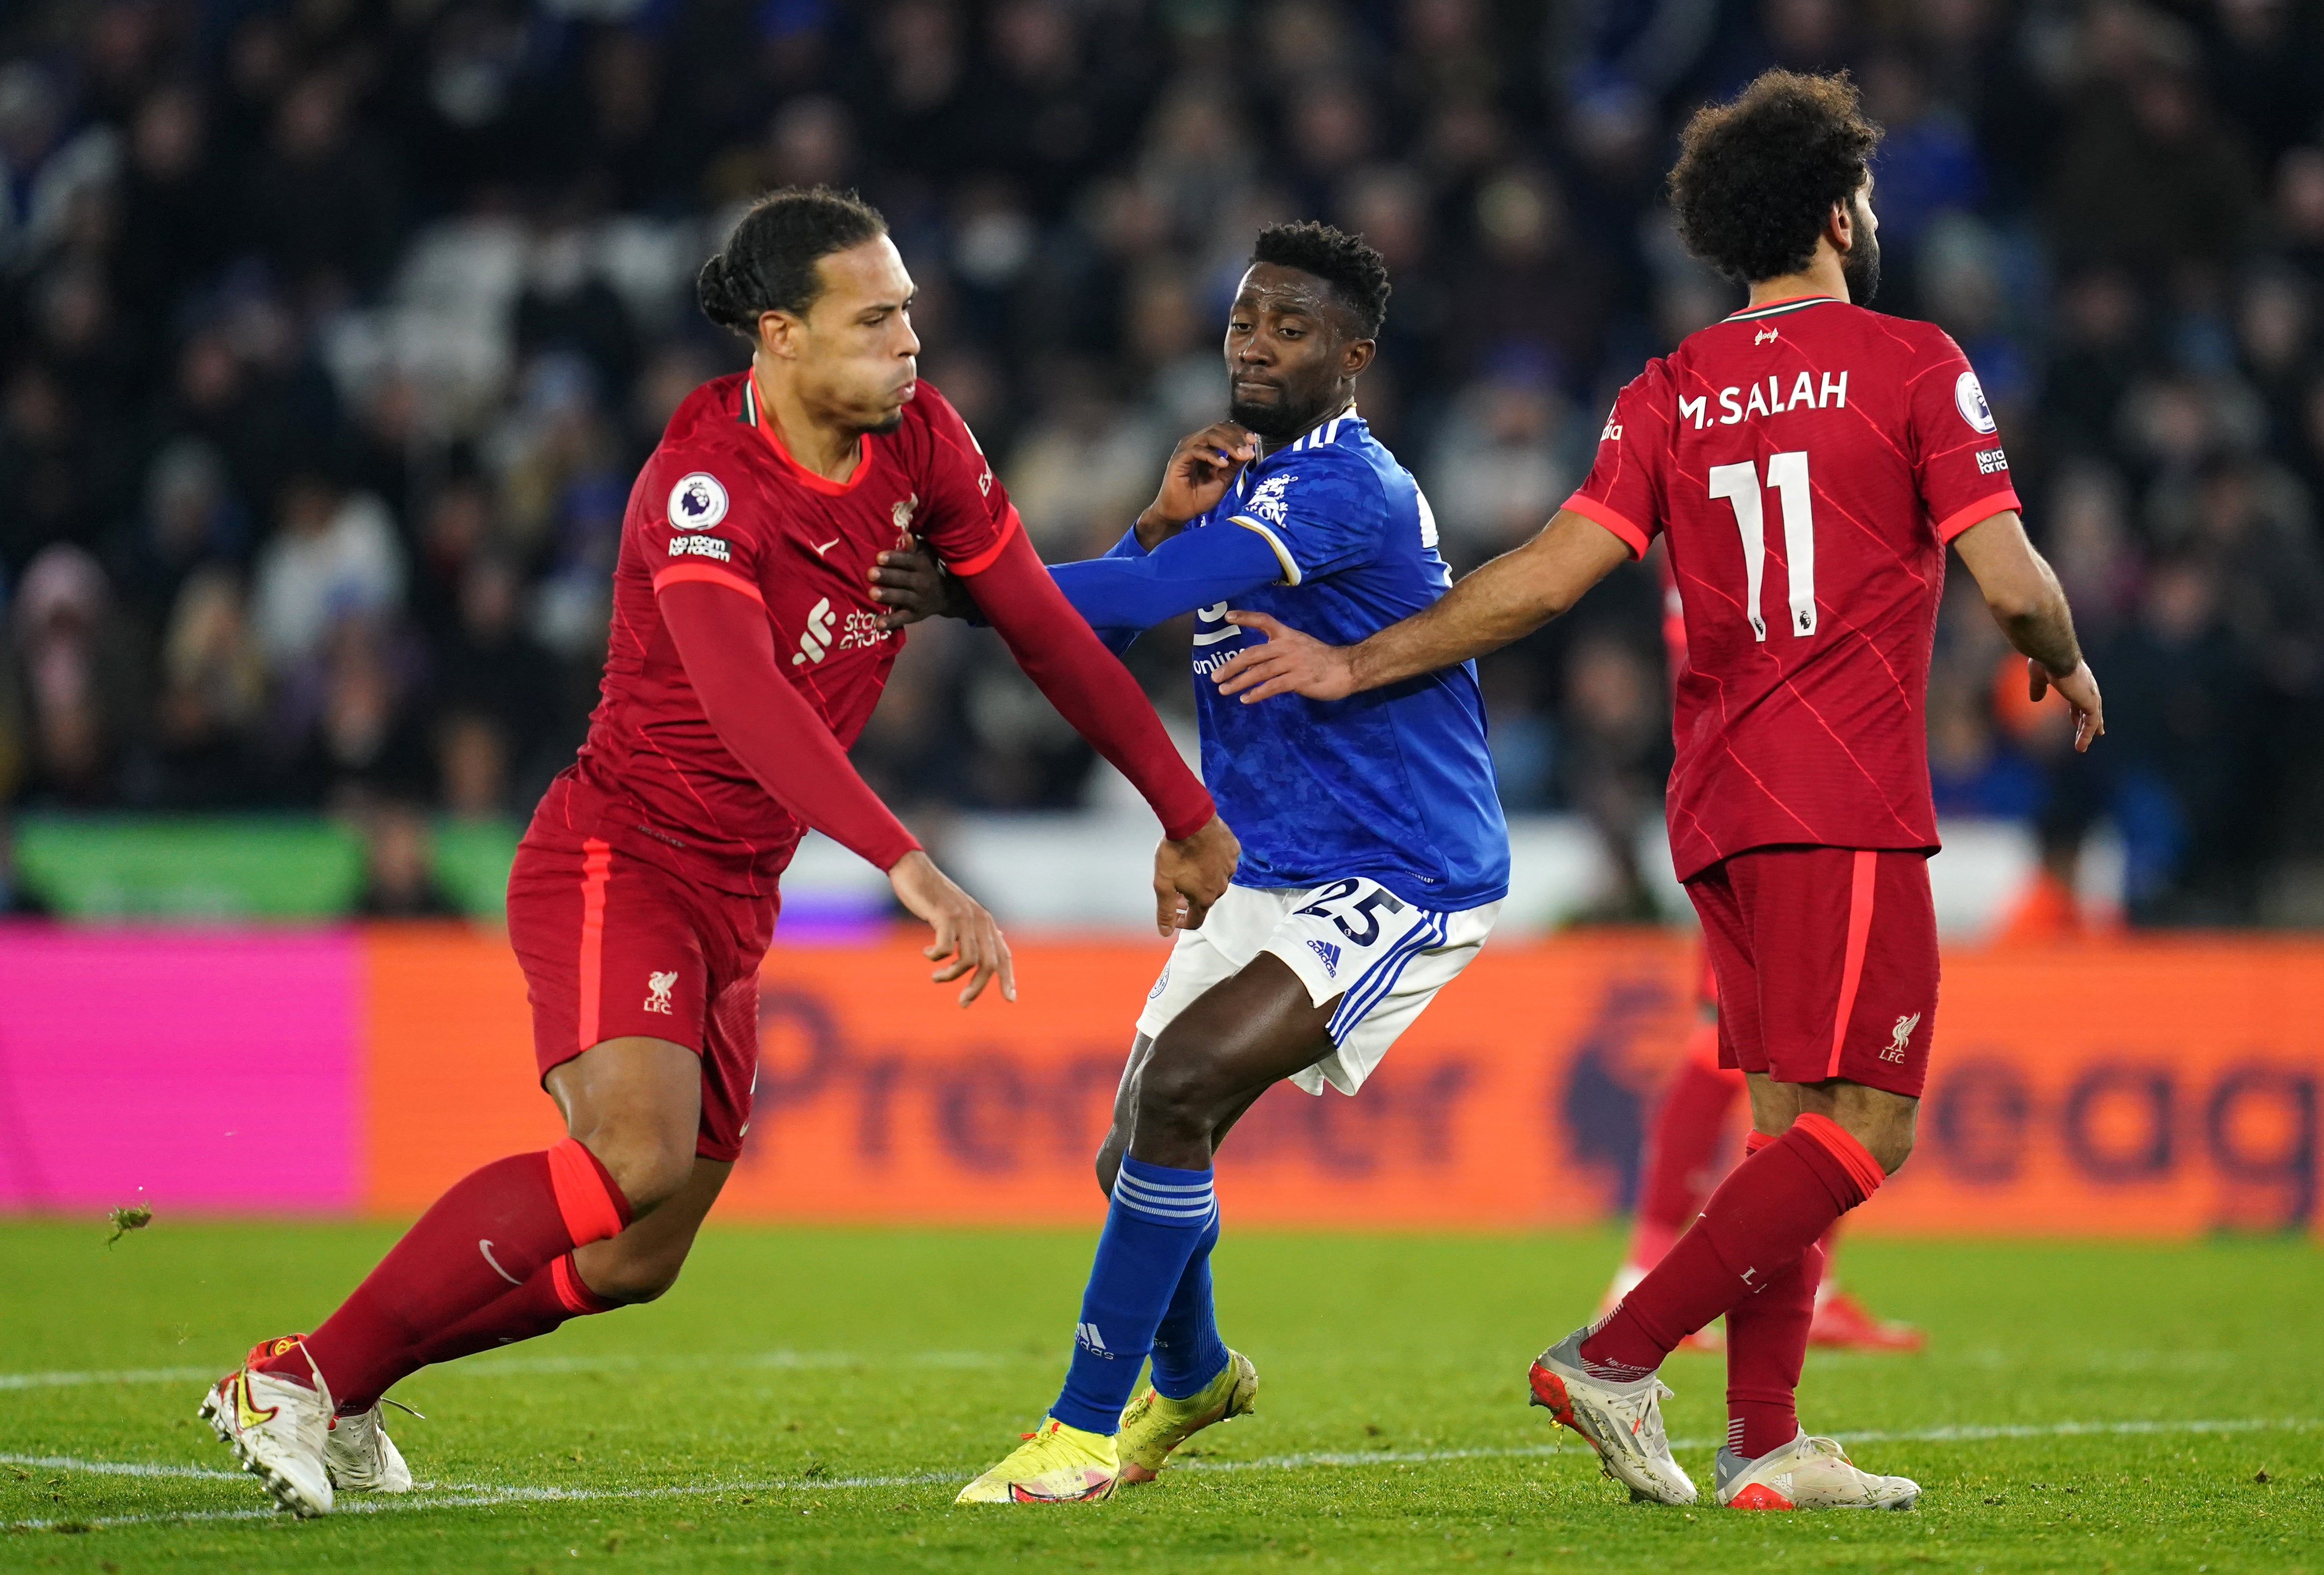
1807	461
721	501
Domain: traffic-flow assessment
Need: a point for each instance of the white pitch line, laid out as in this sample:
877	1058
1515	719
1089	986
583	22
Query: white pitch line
505	1367
131	1376
117	1467
451	1496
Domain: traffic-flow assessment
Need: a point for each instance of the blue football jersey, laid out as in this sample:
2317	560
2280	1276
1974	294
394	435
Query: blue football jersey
1393	784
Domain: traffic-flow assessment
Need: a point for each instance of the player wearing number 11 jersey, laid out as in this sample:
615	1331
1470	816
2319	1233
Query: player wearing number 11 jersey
1808	461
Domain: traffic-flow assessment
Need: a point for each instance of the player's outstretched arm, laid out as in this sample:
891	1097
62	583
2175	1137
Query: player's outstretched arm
728	650
1509	598
1118	594
2026	599
1093	690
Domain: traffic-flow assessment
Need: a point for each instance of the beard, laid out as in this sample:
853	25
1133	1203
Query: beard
1276	423
1861	267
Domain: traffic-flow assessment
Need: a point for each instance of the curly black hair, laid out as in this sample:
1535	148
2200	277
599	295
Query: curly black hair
1756	177
768	263
1357	274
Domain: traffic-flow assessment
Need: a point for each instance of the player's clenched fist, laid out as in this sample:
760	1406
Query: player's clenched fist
1195	479
964	932
1289	663
1191	874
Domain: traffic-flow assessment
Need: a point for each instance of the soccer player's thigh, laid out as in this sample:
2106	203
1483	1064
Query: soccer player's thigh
1845	940
1375	962
617	981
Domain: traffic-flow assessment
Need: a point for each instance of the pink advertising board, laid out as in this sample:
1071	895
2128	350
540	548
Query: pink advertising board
199	1071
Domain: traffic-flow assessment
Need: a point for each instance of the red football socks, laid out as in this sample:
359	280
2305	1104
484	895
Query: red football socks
1682	1148
1769	1211
1766	1345
496	1228
554	1296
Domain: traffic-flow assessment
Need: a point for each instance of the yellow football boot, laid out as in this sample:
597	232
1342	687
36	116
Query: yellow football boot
1152	1425
1055	1464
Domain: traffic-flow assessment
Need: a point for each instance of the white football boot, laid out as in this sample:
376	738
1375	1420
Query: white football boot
1807	1473
361	1457
1623	1421
276	1428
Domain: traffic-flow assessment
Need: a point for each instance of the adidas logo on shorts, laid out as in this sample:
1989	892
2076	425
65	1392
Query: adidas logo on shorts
1330	953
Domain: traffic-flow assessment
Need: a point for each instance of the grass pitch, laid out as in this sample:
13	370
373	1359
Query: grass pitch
811	1399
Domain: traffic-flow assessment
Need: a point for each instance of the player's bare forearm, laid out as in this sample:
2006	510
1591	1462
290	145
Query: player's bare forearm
1508	598
2023	593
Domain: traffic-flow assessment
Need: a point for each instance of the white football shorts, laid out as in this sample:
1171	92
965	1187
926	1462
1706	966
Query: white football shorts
1383	957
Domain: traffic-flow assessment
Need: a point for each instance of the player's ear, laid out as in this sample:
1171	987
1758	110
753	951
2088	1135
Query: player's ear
778	334
1357	356
1840	226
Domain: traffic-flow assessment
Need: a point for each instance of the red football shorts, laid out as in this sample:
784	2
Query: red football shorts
1827	963
613	946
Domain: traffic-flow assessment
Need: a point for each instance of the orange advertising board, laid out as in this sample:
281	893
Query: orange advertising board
2159	1088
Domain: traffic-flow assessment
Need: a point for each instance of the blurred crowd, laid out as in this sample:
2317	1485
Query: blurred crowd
332	332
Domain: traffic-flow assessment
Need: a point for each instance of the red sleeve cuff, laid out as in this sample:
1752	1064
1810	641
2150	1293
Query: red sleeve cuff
1977	514
1590	508
679	573
977	565
1192	819
886	854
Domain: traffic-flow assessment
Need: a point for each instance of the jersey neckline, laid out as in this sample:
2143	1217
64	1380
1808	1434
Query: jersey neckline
753	416
1775	308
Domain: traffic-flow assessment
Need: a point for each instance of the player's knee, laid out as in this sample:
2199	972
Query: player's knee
649	1168
1892	1146
1177	1095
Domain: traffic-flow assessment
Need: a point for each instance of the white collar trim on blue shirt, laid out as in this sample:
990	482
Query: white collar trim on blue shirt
1324	432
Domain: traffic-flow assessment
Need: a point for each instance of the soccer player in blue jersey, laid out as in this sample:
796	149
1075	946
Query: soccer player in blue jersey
1374	854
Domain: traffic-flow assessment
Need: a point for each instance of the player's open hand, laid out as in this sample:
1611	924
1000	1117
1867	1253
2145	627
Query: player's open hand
967	939
1191	874
2080	690
1195	479
1289	663
908	582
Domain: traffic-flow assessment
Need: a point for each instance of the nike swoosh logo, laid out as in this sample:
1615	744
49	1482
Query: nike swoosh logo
487	1248
826	547
245	1414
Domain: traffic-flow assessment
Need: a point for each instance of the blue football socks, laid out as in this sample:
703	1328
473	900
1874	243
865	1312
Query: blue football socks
1160	1217
1187	1350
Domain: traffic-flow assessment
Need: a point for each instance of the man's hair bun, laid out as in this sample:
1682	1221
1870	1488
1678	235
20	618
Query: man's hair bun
768	263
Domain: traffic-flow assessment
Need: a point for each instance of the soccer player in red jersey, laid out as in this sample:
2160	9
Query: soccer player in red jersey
1682	1157
746	653
1807	461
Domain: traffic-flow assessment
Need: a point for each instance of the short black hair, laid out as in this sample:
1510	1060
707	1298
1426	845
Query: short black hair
1357	274
1756	177
768	263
